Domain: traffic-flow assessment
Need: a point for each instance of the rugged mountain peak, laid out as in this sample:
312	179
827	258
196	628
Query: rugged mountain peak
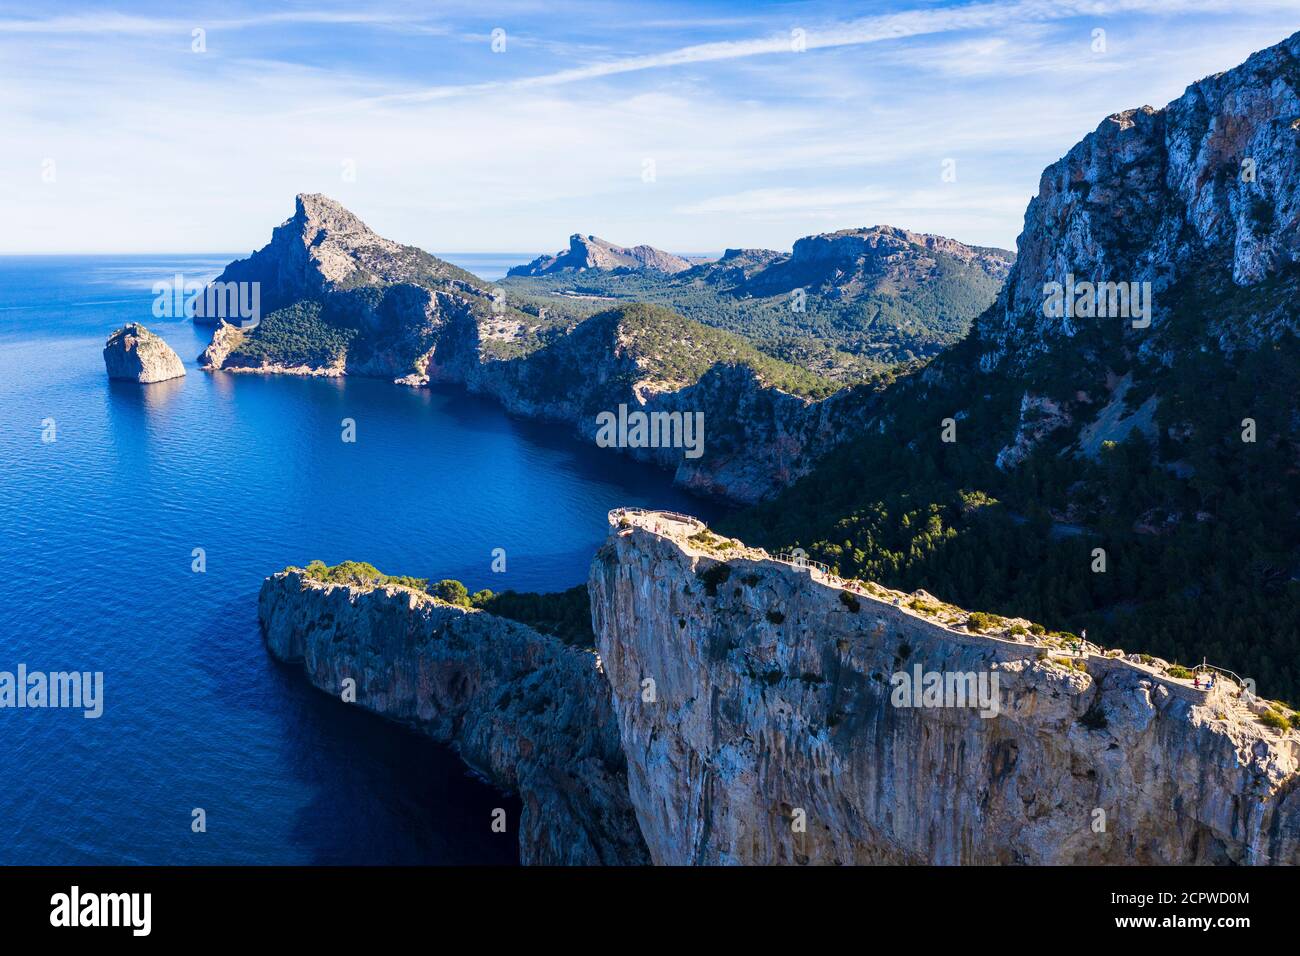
324	247
593	253
863	260
1201	190
884	242
315	213
337	245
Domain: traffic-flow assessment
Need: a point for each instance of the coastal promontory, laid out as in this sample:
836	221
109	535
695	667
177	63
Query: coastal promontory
527	712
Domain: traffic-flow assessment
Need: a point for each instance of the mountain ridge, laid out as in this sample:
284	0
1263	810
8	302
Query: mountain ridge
842	303
592	252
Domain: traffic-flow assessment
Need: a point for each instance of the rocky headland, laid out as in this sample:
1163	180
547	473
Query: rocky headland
529	713
342	300
743	710
756	705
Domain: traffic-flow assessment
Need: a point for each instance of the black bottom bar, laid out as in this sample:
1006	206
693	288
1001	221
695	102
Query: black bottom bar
235	904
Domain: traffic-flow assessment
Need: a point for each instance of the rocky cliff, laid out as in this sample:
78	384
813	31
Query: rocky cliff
592	253
135	354
225	339
1153	195
529	713
1190	211
758	711
758	432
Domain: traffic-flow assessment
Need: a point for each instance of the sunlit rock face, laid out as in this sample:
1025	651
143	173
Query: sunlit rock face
593	253
756	708
135	354
1206	184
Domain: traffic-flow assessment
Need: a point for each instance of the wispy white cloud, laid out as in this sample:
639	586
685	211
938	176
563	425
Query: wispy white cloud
868	30
180	151
110	23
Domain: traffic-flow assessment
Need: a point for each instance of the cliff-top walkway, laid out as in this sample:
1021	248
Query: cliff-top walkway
1208	685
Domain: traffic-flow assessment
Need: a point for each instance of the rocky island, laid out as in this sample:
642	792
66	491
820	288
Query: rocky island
134	354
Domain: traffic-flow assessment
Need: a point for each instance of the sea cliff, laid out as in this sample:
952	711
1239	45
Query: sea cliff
745	710
528	713
755	705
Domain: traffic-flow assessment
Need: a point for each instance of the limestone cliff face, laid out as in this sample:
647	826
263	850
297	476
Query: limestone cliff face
529	713
770	735
757	437
135	354
1176	231
225	337
1204	185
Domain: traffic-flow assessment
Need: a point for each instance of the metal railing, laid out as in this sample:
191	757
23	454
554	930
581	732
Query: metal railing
803	562
1245	694
693	522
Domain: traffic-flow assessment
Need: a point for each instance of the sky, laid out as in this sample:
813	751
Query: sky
506	126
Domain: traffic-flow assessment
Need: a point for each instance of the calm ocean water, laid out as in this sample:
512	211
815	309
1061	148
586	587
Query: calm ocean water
96	534
488	265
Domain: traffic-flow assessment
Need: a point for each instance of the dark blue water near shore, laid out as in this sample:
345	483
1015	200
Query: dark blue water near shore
96	534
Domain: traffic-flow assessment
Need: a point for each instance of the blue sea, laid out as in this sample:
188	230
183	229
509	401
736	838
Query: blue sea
488	265
97	532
